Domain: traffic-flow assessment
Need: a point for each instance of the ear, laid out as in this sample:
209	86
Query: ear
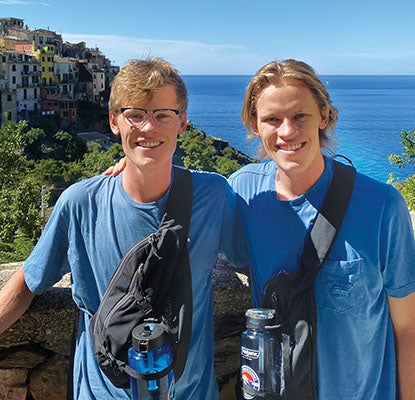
183	123
254	125
324	118
114	124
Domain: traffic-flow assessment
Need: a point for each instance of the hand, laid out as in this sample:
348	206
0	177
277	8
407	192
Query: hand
117	168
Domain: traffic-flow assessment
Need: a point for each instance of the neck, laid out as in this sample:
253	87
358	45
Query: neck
145	185
292	184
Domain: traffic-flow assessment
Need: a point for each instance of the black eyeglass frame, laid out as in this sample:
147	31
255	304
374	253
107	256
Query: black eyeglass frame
176	111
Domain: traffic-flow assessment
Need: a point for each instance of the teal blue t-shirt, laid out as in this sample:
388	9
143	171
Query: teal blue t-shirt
372	258
93	225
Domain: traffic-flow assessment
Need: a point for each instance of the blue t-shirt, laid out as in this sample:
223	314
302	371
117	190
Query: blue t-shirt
93	225
372	258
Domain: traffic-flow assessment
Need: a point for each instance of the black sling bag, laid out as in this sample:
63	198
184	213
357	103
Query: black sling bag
152	282
291	294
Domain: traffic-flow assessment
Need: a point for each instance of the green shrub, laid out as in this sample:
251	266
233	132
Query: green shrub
407	186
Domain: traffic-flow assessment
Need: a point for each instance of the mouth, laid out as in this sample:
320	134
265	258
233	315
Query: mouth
149	145
291	147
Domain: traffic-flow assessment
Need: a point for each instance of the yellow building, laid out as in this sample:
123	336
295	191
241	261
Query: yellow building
45	57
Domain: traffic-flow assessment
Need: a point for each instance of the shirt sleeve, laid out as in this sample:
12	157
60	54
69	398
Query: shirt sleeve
48	261
397	246
233	242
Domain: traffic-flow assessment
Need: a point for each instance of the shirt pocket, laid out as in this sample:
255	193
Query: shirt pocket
339	285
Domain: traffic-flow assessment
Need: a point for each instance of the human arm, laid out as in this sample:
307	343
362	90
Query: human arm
402	312
15	299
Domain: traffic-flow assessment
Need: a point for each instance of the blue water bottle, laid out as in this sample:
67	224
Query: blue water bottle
151	354
260	356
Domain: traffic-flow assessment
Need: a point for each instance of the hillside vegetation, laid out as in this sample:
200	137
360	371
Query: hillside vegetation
407	186
38	163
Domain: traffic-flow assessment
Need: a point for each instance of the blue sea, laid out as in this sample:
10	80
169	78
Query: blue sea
373	110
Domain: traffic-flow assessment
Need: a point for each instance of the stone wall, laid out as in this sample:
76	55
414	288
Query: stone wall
34	352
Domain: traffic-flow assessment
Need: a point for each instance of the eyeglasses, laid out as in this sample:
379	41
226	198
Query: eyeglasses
162	117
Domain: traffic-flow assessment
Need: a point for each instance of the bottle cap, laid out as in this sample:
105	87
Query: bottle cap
147	336
259	318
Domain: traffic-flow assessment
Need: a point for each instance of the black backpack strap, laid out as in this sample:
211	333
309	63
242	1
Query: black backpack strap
179	207
180	200
331	215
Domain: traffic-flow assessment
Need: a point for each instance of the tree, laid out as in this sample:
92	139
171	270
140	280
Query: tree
66	145
33	143
227	164
11	152
408	156
406	187
20	221
95	162
116	151
197	151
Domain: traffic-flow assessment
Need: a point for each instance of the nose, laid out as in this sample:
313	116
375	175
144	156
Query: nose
148	123
287	128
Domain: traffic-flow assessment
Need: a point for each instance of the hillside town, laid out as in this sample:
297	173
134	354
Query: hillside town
42	75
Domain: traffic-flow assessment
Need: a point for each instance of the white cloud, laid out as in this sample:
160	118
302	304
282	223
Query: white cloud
190	57
14	2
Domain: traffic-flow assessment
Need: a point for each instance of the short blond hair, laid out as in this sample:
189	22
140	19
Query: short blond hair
139	79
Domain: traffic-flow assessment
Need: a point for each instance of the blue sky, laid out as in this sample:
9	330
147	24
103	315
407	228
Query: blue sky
236	37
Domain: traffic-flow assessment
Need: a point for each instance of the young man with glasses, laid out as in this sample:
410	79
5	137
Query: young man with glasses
97	220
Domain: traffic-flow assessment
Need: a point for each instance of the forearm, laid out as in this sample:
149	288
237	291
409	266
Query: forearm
405	347
15	299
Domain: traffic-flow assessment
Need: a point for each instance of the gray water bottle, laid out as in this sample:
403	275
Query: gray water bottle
260	356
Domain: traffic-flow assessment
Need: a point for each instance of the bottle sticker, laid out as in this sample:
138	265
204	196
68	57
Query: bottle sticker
250	379
249	354
248	396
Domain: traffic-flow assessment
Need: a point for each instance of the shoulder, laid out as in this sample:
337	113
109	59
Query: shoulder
372	199
211	191
208	180
253	178
87	189
254	170
376	191
371	191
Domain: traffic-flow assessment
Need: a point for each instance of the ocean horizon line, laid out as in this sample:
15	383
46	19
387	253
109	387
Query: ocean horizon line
339	75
